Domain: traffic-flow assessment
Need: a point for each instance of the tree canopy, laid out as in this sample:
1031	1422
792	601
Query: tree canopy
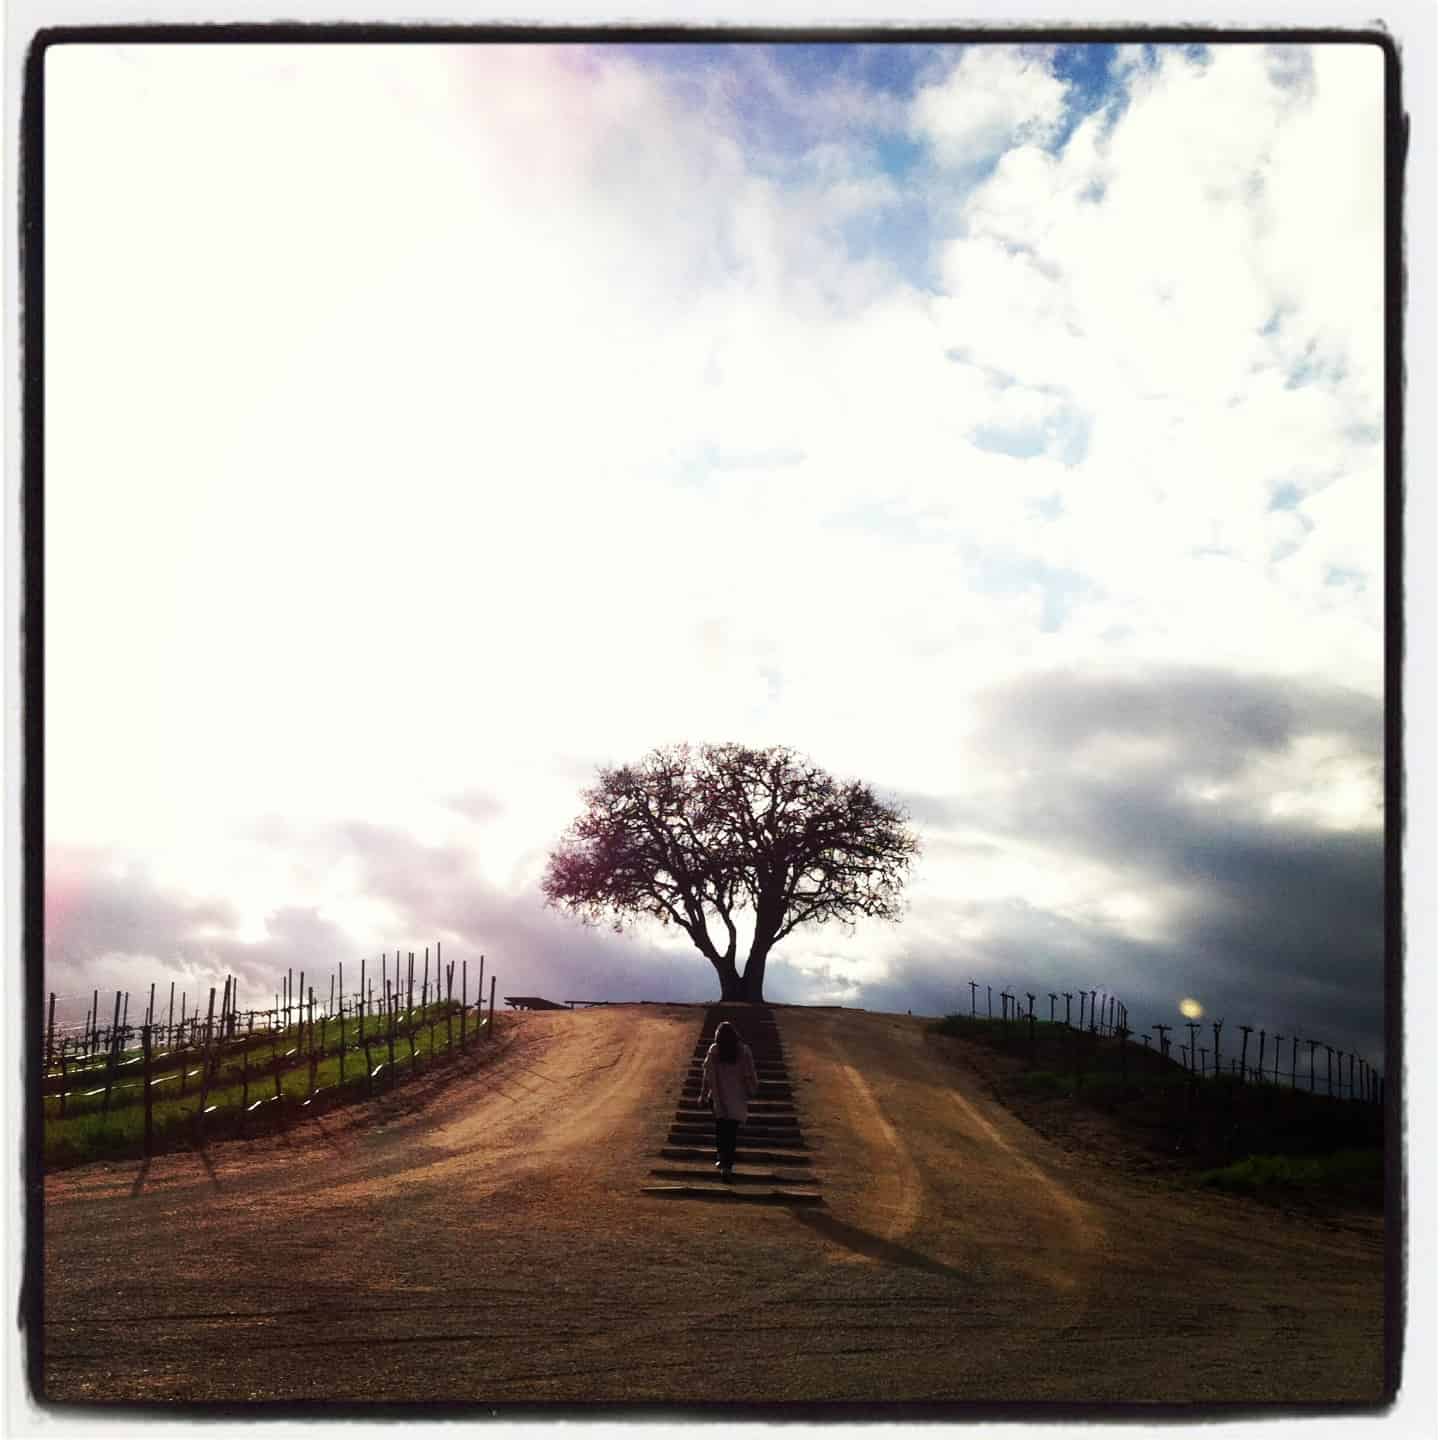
695	836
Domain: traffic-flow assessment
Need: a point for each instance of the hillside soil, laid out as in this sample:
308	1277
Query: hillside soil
483	1240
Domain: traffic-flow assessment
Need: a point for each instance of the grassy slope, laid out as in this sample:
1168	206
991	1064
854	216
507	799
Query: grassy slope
1268	1140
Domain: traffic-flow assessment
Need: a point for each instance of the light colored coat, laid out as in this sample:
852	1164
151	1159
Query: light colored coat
729	1087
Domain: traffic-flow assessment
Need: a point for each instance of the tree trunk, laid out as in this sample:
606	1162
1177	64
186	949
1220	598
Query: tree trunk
731	984
752	982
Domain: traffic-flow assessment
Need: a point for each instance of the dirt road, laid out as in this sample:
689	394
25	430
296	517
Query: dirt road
488	1242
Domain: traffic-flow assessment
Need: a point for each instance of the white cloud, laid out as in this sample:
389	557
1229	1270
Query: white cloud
992	96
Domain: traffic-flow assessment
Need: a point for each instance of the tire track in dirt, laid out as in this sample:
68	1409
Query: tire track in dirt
899	1177
1087	1235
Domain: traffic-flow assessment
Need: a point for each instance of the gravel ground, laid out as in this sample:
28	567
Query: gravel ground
482	1240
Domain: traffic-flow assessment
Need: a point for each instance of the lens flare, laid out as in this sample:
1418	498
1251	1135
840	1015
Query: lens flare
1191	1009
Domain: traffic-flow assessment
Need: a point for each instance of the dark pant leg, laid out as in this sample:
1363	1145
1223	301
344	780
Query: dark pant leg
725	1131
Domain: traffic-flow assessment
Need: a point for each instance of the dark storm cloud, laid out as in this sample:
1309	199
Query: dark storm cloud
111	926
92	905
1274	922
1205	722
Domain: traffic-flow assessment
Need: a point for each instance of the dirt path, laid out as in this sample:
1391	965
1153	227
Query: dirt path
489	1243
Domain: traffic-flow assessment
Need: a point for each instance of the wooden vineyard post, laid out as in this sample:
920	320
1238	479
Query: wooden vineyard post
1312	1044
314	1057
342	1022
114	1055
989	1004
244	1085
1294	1053
480	999
392	1002
369	1066
149	1113
276	1061
1244	1049
64	1078
1031	1018
973	988
205	1072
434	1017
425	983
492	1007
207	1064
50	1037
449	997
224	1021
410	1028
1053	998
1068	994
464	992
362	1009
1216	1025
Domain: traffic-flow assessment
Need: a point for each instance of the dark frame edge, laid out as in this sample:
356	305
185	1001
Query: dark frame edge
30	254
1397	139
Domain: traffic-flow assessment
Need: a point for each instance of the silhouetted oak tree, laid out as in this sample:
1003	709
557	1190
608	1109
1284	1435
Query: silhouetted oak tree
692	836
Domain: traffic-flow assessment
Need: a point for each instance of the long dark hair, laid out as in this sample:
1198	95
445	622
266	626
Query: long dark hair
727	1042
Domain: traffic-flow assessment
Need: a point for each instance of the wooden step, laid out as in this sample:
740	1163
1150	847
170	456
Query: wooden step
755	1125
708	1174
751	1155
679	1135
698	1116
727	1194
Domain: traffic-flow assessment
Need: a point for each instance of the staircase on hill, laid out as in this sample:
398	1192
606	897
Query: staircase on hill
772	1162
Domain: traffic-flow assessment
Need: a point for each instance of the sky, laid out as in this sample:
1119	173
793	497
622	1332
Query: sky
429	426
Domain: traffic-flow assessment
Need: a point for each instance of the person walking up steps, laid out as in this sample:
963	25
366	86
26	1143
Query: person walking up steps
729	1082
